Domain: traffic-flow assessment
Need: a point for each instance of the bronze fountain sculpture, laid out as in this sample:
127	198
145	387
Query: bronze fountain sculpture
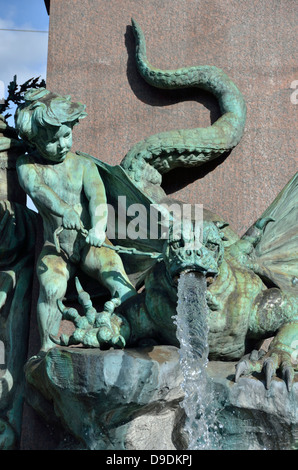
251	281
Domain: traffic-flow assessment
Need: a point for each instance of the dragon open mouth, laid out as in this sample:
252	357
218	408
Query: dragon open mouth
210	276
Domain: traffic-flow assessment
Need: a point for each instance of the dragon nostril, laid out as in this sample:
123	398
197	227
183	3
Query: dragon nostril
188	252
198	252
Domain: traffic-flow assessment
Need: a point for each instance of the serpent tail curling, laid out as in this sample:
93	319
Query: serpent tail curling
150	158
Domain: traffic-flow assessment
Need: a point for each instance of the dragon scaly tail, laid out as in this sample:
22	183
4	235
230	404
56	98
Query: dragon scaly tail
149	159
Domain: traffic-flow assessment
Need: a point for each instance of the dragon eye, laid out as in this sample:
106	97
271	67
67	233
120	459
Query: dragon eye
212	247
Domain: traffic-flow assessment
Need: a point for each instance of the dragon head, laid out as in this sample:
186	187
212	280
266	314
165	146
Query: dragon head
182	254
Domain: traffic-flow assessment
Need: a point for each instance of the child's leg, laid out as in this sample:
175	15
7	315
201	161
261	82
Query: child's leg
106	266
53	272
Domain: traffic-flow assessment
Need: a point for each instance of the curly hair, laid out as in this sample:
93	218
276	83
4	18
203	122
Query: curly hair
42	108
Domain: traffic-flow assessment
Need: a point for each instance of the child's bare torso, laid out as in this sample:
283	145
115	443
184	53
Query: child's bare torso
66	180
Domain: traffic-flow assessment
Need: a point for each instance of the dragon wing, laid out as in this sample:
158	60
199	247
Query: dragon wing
123	195
276	254
124	200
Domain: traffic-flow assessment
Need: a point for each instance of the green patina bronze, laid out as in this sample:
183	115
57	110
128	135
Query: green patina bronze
149	159
17	250
68	192
252	290
242	309
252	281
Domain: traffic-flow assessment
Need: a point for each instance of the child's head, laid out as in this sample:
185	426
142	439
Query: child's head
46	120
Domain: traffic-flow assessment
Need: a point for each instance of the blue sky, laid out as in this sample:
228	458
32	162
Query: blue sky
22	53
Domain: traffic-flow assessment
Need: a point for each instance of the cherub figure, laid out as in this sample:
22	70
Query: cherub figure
68	191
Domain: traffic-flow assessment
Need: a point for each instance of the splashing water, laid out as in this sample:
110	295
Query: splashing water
192	333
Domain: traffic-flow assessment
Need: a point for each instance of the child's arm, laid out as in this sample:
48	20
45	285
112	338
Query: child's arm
95	192
43	196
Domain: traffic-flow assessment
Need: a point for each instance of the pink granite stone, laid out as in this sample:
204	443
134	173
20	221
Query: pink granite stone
91	57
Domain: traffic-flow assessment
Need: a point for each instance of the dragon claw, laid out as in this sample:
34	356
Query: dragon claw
63	340
103	320
269	368
61	307
78	285
268	363
242	368
249	363
55	339
288	374
119	339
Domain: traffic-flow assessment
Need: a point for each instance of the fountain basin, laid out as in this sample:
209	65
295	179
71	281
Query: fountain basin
131	399
115	399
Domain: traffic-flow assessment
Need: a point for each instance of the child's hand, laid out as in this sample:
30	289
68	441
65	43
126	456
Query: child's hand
71	219
95	237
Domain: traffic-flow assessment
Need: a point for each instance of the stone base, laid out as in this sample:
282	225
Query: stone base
252	417
130	399
116	399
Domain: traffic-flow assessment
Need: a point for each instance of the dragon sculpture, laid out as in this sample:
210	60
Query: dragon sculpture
252	281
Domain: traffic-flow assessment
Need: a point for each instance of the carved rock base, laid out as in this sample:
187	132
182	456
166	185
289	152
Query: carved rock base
115	399
252	417
130	399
